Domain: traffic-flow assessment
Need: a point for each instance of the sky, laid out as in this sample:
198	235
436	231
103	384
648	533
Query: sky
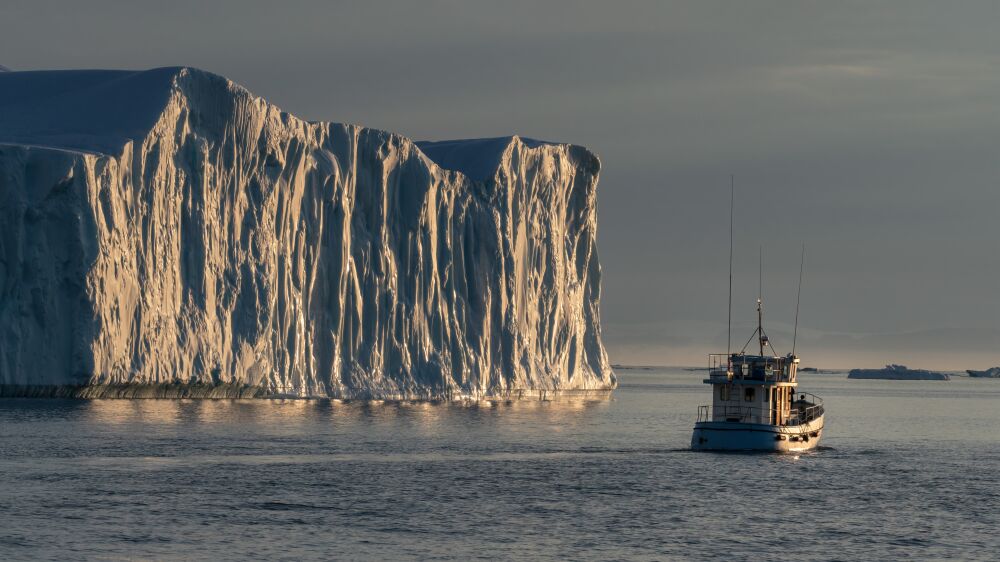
867	131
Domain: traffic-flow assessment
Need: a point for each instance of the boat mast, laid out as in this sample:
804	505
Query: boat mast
760	301
732	204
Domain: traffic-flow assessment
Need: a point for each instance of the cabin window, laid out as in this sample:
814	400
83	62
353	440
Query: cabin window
767	394
748	394
724	393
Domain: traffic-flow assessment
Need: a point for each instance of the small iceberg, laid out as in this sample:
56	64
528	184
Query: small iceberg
991	373
898	373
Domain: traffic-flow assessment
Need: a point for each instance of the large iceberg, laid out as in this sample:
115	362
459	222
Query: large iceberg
167	232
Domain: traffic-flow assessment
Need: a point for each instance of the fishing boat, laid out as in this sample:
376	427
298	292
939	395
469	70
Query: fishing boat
756	404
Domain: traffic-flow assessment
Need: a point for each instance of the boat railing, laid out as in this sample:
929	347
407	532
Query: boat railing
704	413
805	408
730	413
744	367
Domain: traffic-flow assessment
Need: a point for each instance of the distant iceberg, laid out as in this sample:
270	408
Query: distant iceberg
991	373
168	233
898	373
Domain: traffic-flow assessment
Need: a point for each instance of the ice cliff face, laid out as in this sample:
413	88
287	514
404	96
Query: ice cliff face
168	226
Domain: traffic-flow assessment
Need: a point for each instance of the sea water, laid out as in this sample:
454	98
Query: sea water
905	469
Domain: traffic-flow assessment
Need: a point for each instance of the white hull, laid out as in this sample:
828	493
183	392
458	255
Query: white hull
739	436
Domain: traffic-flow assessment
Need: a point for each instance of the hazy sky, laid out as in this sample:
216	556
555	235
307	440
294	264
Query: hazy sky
869	131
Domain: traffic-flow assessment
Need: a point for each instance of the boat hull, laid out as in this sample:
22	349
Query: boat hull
738	436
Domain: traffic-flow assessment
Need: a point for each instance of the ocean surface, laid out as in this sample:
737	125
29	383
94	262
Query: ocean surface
906	469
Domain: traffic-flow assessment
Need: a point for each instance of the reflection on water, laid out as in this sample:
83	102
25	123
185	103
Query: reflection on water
284	412
235	479
303	423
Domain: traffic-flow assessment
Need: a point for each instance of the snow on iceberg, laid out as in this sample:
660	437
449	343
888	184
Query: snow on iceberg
167	229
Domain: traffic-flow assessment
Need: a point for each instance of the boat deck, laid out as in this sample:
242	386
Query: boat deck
803	410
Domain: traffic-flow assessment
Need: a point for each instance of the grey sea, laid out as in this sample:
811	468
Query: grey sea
905	470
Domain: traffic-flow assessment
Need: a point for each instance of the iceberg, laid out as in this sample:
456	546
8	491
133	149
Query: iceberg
898	373
168	233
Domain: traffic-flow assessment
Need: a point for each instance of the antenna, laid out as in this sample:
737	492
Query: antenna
732	204
795	334
760	276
